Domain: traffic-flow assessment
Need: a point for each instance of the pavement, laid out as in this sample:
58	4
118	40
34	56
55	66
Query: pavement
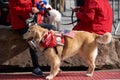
69	75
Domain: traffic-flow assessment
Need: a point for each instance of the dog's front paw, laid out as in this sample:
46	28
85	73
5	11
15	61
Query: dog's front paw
89	75
49	77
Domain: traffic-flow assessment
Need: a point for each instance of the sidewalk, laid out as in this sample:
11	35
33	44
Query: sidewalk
65	75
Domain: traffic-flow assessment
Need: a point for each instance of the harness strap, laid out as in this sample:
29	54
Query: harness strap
44	49
55	48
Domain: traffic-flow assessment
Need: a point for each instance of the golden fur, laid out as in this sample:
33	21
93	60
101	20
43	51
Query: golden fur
83	44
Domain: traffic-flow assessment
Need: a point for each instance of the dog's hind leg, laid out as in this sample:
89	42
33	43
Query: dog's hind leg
91	63
90	68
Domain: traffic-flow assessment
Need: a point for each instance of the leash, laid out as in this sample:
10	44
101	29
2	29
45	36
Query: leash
78	3
72	21
72	16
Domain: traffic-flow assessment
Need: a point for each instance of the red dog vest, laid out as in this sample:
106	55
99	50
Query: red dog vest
52	40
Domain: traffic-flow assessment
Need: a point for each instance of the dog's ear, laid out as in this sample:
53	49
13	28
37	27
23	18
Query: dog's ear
39	32
38	35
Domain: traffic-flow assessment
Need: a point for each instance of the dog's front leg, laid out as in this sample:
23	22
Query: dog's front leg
54	71
55	68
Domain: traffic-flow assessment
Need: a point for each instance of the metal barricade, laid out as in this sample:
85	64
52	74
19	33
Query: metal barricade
116	16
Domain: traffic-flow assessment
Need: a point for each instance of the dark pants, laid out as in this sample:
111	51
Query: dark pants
33	53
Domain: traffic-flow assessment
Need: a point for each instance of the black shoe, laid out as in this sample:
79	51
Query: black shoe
37	72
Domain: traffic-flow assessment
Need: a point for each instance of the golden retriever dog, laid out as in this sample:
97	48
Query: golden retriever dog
83	44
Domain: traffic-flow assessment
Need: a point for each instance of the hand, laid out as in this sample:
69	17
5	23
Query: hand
35	10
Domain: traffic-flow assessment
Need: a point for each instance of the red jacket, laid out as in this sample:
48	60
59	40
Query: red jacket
95	16
21	8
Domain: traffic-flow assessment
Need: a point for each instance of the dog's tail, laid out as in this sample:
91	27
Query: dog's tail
104	39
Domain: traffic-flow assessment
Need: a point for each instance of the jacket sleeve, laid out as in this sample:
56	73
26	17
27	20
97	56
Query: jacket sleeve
20	10
17	9
88	12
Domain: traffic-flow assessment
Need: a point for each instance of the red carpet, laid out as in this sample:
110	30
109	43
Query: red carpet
98	75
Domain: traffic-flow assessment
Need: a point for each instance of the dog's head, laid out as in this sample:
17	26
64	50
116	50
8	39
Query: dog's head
34	32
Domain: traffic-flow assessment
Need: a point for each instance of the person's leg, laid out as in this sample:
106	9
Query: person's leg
34	57
36	69
33	53
48	26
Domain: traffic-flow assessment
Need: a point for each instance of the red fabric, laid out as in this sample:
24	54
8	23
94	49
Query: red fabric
21	8
49	40
95	16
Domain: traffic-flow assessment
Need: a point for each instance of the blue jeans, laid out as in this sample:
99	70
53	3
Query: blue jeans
48	26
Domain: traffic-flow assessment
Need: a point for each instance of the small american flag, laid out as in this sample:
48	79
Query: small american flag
68	33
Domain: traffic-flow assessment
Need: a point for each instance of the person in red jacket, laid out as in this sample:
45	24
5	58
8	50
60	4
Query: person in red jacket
94	16
19	13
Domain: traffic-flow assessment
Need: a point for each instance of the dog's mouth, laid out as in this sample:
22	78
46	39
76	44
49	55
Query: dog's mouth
29	39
